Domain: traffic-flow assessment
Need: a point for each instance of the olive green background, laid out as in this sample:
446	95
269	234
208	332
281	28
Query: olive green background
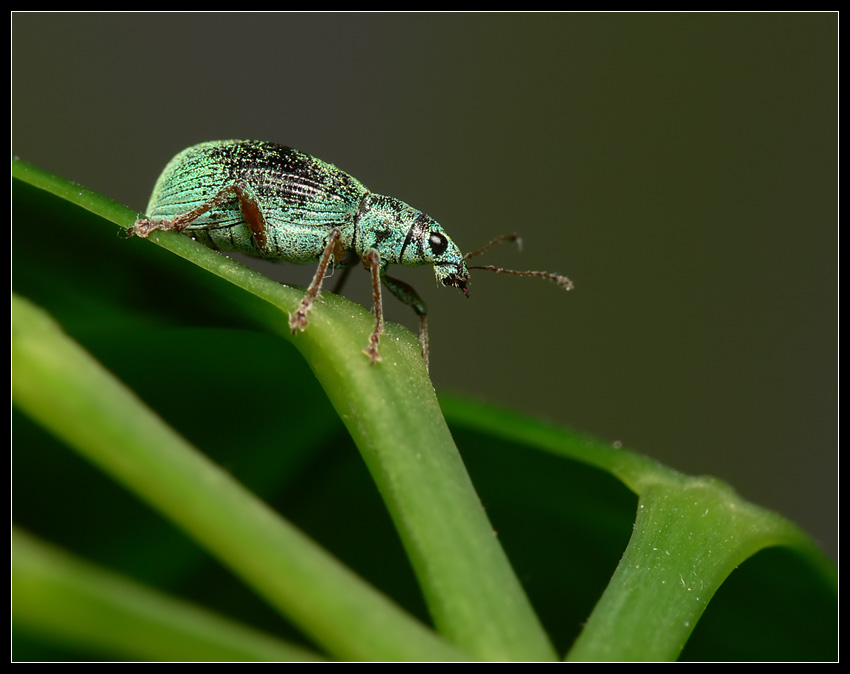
680	168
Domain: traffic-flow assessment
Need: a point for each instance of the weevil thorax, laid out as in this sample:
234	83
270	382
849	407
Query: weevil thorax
405	235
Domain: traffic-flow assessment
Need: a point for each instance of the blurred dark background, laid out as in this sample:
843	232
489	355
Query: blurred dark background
680	168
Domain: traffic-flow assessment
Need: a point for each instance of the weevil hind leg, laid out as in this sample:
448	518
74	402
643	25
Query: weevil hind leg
248	205
410	297
298	320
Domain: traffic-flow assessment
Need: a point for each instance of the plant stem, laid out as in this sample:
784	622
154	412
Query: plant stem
393	415
62	387
83	605
690	534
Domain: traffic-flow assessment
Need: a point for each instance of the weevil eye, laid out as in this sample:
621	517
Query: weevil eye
438	243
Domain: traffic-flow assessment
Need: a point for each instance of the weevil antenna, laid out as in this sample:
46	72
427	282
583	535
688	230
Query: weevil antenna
561	280
498	239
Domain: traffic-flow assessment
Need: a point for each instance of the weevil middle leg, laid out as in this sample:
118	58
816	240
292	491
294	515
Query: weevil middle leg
298	320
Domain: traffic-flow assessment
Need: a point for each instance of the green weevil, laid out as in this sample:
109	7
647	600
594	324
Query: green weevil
275	202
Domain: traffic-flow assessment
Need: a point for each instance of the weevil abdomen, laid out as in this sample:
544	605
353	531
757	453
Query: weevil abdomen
300	198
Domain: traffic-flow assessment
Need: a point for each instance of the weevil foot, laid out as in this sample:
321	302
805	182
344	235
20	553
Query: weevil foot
372	349
373	354
144	226
298	320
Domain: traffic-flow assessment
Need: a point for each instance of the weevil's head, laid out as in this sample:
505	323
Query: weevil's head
438	249
452	272
405	235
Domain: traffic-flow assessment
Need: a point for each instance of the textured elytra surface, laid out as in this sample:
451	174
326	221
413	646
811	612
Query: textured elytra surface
300	197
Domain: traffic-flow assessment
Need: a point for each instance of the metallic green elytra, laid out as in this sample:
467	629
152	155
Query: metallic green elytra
274	202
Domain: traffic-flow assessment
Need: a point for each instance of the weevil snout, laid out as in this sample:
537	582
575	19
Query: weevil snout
455	279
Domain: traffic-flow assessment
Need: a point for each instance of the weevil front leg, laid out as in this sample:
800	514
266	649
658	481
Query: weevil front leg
372	261
298	320
410	297
248	205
